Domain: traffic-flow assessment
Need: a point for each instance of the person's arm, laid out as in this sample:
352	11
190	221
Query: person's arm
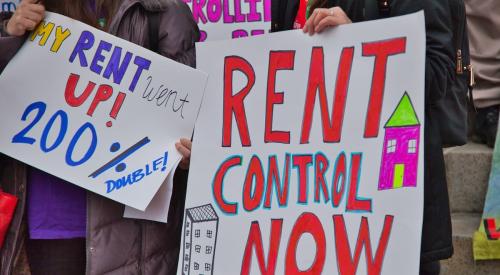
14	26
440	60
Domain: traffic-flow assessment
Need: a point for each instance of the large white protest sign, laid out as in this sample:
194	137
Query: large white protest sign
9	5
226	19
308	153
96	110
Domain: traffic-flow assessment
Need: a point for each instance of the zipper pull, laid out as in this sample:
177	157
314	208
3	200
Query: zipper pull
460	68
472	80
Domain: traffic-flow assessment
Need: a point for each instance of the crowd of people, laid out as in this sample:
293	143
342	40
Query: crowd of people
62	229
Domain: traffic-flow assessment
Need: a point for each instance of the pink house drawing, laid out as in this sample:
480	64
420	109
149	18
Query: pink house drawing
401	148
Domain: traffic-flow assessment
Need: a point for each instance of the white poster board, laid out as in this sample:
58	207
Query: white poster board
277	186
96	110
9	5
226	19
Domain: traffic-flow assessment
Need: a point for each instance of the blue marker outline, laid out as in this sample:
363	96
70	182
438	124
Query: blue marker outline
222	185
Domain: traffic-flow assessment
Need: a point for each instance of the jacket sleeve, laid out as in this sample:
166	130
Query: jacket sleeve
178	34
8	45
440	61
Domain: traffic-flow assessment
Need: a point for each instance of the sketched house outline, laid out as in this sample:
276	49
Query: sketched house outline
200	238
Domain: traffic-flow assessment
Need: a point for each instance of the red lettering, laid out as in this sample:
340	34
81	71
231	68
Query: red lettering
274	177
302	163
332	129
255	241
339	180
353	202
490	227
381	50
347	264
278	60
252	202
69	93
104	92
218	185
306	223
321	165
233	104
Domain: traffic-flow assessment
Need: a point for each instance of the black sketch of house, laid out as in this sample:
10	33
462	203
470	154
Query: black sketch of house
200	238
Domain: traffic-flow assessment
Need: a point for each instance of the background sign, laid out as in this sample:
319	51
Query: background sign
96	110
9	5
226	19
308	153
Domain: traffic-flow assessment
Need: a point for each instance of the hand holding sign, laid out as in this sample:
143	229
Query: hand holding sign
323	18
26	17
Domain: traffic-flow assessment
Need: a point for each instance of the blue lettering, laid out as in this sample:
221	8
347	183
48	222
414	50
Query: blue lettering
85	42
115	68
142	64
138	175
148	172
111	186
98	57
8	7
156	163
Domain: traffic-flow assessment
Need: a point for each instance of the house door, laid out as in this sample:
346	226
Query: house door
399	172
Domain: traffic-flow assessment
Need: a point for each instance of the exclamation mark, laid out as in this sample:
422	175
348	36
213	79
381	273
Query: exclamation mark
165	159
116	107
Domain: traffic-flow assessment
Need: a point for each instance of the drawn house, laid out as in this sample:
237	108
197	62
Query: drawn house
399	165
200	237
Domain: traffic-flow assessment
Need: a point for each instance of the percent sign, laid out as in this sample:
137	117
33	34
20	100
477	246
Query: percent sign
118	160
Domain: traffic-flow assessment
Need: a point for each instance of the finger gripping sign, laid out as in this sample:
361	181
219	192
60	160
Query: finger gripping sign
96	110
308	153
226	19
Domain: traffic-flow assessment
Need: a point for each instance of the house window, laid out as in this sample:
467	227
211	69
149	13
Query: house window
197	248
196	266
188	245
391	146
187	233
186	257
208	250
197	233
207	267
412	146
209	234
186	268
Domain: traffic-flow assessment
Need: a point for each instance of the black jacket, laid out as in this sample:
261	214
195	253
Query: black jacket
440	64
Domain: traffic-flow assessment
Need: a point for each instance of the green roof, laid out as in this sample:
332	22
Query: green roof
404	115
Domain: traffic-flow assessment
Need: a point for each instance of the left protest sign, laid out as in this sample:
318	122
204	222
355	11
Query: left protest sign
96	110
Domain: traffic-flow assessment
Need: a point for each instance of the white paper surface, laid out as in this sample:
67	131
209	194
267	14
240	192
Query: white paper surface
239	221
157	209
119	144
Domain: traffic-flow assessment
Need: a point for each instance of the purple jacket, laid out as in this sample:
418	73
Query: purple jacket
116	245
